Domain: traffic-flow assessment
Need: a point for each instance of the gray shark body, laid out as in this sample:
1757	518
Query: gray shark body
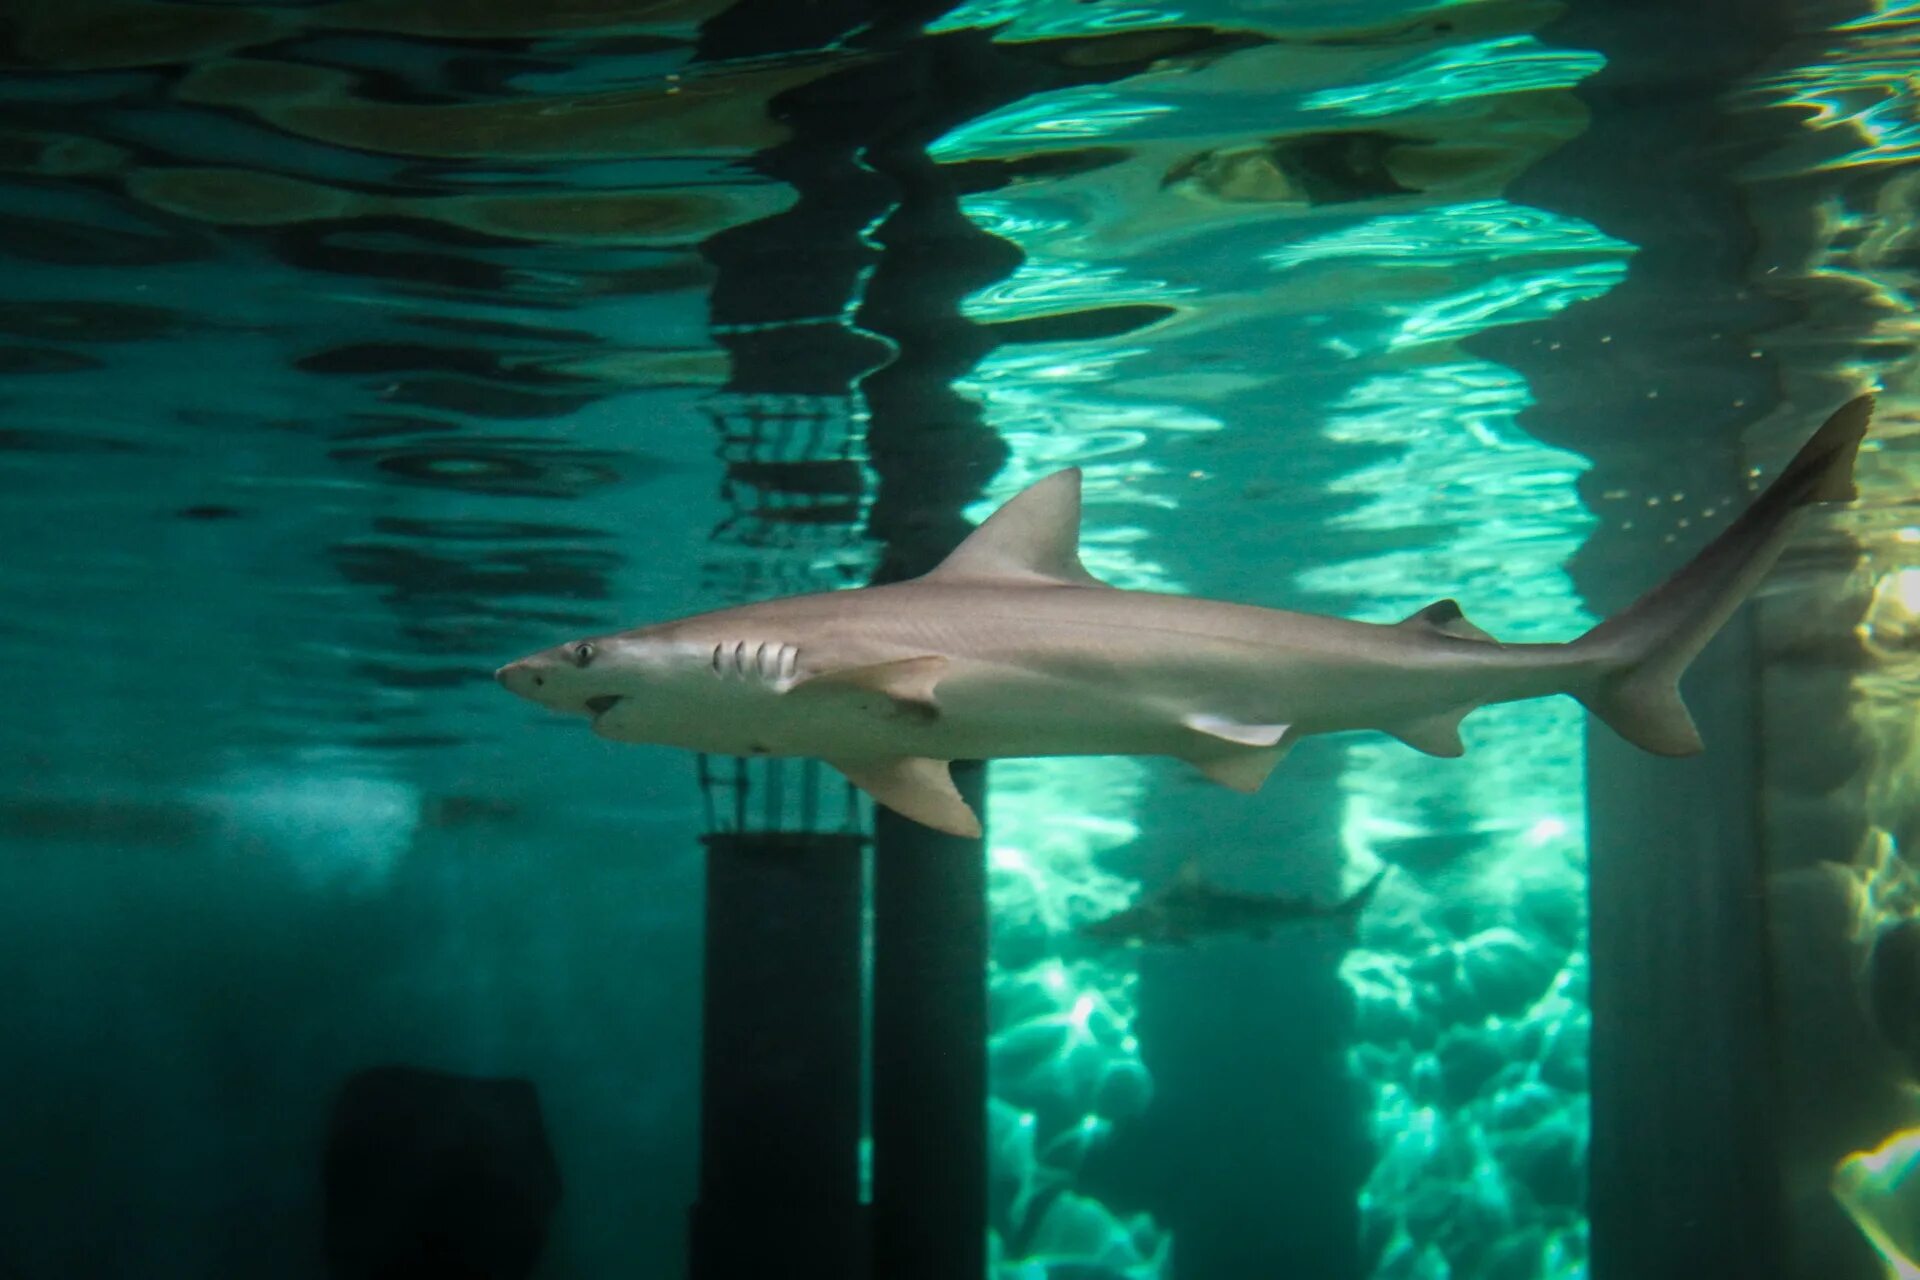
1190	909
1010	648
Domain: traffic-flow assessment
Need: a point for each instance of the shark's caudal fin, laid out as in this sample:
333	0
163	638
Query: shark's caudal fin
1638	655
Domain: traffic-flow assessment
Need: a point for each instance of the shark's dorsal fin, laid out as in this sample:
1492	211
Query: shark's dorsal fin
908	682
1033	539
1437	735
1445	617
917	787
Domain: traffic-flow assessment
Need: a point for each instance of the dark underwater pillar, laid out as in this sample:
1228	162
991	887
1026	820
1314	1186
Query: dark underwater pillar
1654	382
930	1047
933	455
783	1069
1685	1175
878	221
780	1060
781	1124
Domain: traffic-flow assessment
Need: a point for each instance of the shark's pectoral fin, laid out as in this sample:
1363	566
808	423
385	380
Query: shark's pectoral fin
1437	735
1444	616
917	787
909	683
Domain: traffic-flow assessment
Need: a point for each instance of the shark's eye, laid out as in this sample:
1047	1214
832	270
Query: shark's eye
583	653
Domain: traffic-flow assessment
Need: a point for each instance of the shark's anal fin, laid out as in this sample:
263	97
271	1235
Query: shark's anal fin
917	787
1444	617
909	683
1437	735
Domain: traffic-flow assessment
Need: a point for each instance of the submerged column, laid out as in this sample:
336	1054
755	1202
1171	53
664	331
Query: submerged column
780	1075
783	1072
864	272
933	455
854	296
1653	383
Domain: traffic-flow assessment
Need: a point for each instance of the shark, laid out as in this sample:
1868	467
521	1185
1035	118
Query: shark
1189	907
1010	648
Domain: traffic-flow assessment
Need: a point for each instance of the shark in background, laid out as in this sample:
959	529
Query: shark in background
1011	648
1189	908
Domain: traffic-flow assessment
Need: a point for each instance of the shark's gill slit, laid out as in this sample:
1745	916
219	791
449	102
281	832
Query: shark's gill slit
715	662
760	661
789	660
740	658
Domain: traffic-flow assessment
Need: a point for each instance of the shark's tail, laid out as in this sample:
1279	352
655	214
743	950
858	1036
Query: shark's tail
1635	658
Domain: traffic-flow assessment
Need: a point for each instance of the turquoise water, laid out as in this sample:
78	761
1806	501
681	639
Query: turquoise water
350	350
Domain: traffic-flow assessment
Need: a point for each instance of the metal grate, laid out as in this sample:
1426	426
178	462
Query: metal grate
797	491
743	796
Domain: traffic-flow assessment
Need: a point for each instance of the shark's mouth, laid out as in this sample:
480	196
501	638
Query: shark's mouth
601	703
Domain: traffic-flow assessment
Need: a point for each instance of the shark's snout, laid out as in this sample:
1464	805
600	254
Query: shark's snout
556	686
528	680
519	677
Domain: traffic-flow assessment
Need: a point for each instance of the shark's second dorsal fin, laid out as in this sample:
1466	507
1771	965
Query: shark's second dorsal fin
1033	539
1445	617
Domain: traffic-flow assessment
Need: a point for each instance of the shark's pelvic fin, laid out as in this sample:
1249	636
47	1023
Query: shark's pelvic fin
1243	735
1244	771
917	787
1033	539
1261	747
909	682
1437	735
1634	660
1445	617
